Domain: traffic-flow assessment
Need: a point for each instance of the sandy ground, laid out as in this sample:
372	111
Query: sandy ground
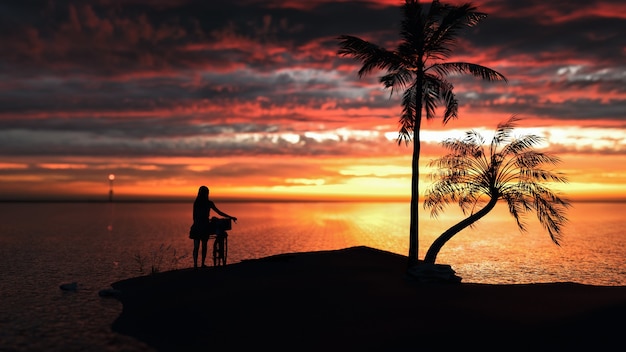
361	299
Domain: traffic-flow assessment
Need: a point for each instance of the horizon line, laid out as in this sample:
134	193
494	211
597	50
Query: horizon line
260	200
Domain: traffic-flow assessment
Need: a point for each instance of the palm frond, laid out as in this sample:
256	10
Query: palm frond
551	214
407	118
399	79
540	175
482	72
505	129
441	90
473	137
518	206
532	159
370	55
430	98
429	23
413	27
404	135
548	206
503	133
522	144
451	103
453	20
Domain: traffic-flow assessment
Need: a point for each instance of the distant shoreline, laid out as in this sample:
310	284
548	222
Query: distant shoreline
191	201
252	200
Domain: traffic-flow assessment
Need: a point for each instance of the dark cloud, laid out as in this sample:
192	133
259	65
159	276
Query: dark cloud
596	39
147	77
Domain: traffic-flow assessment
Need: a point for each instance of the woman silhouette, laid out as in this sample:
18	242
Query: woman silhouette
200	230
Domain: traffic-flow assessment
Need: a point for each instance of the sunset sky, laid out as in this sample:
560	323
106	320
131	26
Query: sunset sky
250	98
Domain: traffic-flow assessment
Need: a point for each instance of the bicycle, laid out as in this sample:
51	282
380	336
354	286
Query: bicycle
220	242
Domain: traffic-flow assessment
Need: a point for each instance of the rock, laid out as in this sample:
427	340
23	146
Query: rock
434	273
73	286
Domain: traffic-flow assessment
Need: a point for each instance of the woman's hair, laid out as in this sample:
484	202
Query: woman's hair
203	195
199	205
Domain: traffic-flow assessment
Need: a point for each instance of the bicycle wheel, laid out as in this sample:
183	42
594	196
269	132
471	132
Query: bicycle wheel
219	251
215	251
224	250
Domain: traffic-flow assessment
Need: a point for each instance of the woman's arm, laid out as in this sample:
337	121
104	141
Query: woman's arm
221	212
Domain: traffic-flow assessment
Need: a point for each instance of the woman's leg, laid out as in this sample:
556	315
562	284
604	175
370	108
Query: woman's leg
204	243
196	245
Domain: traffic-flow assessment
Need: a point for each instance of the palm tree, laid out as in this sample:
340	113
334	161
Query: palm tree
508	169
417	65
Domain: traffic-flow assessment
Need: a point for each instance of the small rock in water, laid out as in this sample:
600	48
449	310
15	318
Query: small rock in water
69	287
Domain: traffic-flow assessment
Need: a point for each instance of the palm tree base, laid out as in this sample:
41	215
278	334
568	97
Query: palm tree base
427	273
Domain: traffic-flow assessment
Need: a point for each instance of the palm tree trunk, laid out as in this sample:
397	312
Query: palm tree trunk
415	176
434	249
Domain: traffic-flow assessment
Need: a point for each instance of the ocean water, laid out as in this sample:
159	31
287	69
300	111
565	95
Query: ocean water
45	245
